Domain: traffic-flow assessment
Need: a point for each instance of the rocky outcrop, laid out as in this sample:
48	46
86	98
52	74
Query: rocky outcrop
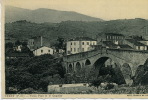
141	75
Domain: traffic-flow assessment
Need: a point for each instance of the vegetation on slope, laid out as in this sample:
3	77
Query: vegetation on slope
70	29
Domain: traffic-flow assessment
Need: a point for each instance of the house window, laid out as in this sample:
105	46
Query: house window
138	47
93	43
48	50
87	43
41	51
68	52
71	43
90	43
74	49
74	43
71	49
82	43
83	49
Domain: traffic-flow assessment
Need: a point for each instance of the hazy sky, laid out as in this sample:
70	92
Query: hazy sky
105	9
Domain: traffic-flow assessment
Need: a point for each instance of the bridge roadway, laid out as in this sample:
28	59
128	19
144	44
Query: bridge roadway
97	58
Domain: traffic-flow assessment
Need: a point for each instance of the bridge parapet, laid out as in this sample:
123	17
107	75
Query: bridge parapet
83	55
131	56
127	55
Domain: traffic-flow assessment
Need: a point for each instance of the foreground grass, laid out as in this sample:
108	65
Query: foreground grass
91	90
125	90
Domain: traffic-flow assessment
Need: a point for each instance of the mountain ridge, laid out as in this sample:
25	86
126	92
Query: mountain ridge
42	15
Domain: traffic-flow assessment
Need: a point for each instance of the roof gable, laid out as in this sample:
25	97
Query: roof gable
82	39
137	43
114	34
42	47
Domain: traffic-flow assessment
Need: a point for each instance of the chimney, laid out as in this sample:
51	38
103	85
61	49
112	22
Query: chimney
41	41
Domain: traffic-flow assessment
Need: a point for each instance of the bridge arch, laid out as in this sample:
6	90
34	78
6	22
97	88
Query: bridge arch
100	62
112	68
70	69
87	62
78	68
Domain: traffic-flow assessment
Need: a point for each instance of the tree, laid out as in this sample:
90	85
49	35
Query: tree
36	72
9	45
60	44
24	43
9	48
25	49
17	43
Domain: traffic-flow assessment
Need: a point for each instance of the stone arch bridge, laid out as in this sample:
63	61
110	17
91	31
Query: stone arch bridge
97	58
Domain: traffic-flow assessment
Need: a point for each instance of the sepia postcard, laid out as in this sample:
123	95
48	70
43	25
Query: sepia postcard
74	49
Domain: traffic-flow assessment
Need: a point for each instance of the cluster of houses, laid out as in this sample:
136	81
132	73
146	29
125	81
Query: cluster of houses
40	45
107	40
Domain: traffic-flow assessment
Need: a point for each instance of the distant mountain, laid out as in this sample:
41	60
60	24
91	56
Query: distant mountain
44	15
70	29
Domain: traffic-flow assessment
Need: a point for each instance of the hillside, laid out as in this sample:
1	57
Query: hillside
42	15
70	29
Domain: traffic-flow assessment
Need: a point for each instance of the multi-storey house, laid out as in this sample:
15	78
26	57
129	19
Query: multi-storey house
113	37
79	44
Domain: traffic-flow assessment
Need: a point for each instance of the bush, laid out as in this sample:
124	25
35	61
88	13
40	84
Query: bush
109	86
97	81
35	73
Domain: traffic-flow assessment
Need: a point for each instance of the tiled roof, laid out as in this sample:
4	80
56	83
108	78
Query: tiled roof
125	46
41	47
18	54
95	45
135	42
143	40
35	37
114	34
109	43
82	39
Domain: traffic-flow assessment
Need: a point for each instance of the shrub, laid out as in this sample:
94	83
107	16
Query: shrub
109	86
97	81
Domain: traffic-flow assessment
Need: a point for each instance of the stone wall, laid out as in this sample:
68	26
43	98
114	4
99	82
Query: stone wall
131	57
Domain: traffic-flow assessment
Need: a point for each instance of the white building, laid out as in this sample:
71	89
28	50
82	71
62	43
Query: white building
18	48
137	45
37	42
79	44
43	50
